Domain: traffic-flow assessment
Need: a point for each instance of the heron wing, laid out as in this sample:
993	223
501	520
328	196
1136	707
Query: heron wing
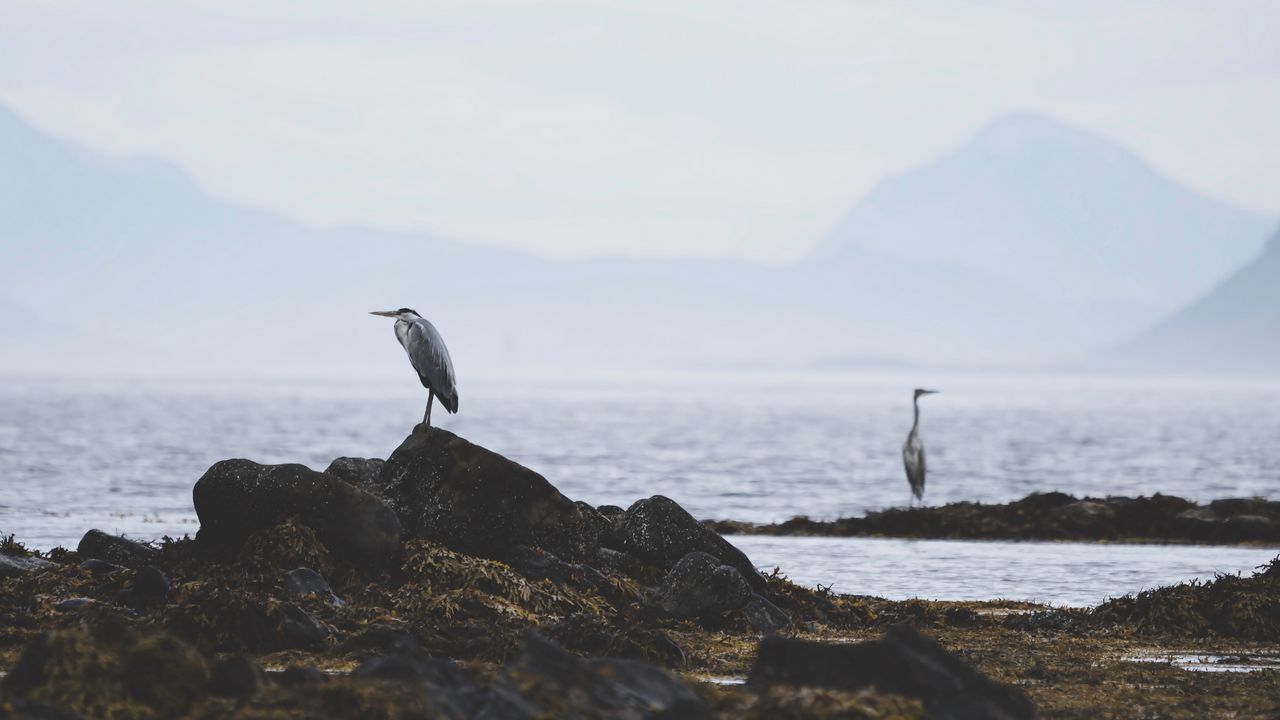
429	356
913	461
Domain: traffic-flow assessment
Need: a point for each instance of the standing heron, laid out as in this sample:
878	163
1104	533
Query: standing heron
913	450
428	355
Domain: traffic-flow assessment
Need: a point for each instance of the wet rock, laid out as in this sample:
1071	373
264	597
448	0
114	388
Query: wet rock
305	581
547	681
1251	526
235	677
235	498
114	549
100	567
700	587
467	498
537	564
660	532
903	662
14	566
75	603
451	691
1227	507
301	631
296	675
150	587
617	561
362	473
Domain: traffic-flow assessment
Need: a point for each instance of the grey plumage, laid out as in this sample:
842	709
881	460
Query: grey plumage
429	357
913	450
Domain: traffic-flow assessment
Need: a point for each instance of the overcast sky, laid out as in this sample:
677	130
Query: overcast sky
657	127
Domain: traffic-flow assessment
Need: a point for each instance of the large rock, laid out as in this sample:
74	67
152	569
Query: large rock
903	662
475	501
235	498
362	473
699	586
98	545
660	532
547	681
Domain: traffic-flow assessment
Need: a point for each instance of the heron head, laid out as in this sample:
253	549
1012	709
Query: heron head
402	314
920	392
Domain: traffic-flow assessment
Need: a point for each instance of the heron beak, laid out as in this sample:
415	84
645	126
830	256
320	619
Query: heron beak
385	313
932	392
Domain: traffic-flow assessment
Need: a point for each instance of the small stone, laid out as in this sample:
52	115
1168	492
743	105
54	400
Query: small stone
150	587
305	581
98	545
14	566
235	677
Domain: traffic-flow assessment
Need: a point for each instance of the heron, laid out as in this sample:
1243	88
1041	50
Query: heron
428	355
913	450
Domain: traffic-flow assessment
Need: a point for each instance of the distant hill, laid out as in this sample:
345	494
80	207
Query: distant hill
1233	328
1059	212
125	265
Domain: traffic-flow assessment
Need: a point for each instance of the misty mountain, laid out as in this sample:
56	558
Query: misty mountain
1234	327
1059	212
125	265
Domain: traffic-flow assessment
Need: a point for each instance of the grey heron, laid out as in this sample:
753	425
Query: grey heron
428	355
913	450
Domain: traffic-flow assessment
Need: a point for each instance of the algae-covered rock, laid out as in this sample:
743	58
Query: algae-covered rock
903	662
546	681
110	672
362	473
447	490
700	587
115	549
235	498
660	532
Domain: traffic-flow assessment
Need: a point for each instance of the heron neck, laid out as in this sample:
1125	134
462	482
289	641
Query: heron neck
915	403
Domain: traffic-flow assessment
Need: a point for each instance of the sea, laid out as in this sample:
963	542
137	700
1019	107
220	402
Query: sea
121	455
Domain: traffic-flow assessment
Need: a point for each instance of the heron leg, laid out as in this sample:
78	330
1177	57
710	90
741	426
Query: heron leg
431	396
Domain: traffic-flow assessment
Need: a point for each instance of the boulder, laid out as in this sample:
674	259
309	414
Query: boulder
305	581
235	498
362	473
474	501
150	587
548	681
660	532
700	587
98	545
903	662
14	566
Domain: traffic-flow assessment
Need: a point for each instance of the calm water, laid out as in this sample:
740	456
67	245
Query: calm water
122	456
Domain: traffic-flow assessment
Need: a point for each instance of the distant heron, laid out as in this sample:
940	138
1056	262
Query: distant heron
913	450
428	355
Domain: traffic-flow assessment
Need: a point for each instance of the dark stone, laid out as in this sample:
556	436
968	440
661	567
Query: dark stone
586	634
300	630
235	498
14	566
477	502
114	549
305	581
451	691
700	587
903	662
362	473
537	564
1247	506
385	638
1086	515
547	681
150	587
100	567
295	675
617	561
660	532
235	677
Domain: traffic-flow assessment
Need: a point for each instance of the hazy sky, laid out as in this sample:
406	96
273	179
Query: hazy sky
708	128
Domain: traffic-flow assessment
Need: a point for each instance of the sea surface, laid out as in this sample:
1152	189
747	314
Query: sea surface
122	455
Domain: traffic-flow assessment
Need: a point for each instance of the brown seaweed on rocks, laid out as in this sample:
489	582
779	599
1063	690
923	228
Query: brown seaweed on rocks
1228	606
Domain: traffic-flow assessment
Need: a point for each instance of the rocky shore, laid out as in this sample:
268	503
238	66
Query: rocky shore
1052	516
450	582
